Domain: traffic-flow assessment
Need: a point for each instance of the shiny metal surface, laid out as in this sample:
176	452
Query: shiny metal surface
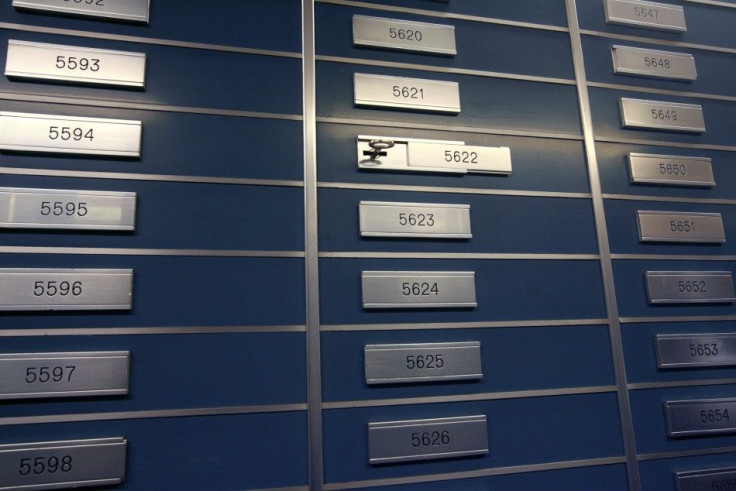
418	289
685	227
707	480
125	10
406	93
653	63
60	209
700	417
41	61
75	463
689	287
24	132
35	289
49	375
414	220
427	439
696	350
669	116
422	362
671	170
404	35
650	15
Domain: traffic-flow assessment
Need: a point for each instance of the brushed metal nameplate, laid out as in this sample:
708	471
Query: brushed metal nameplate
41	61
689	287
50	375
414	220
418	289
61	209
654	63
24	132
649	15
700	417
685	227
707	480
404	35
671	170
427	439
406	93
419	155
667	116
63	464
36	289
124	10
422	362
696	350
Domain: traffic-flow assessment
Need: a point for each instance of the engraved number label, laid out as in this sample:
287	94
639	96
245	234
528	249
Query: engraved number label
682	226
59	208
664	115
419	289
416	219
673	169
646	13
656	62
408	34
430	439
422	362
708	349
43	375
75	63
692	286
461	157
68	133
54	288
714	415
45	465
408	92
100	3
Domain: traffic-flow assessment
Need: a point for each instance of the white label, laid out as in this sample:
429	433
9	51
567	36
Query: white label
467	158
407	93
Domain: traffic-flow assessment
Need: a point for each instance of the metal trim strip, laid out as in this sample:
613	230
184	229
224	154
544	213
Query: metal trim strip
145	331
458	255
463	325
681	383
433	189
145	252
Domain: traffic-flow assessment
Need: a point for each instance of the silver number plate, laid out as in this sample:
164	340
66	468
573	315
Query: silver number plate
23	132
707	480
418	289
47	375
700	417
653	63
425	362
417	155
406	93
125	10
696	350
41	61
690	287
403	35
666	226
66	289
649	15
670	116
59	209
427	439
63	464
671	170
415	220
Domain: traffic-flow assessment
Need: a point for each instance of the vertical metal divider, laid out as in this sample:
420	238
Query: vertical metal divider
604	250
311	250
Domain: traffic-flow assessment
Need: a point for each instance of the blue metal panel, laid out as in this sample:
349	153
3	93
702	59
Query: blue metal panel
517	358
183	144
181	216
622	226
615	178
711	67
275	24
649	420
719	117
180	291
179	371
632	294
707	24
520	431
505	290
480	46
641	358
660	474
537	11
217	452
499	224
183	77
486	102
539	164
